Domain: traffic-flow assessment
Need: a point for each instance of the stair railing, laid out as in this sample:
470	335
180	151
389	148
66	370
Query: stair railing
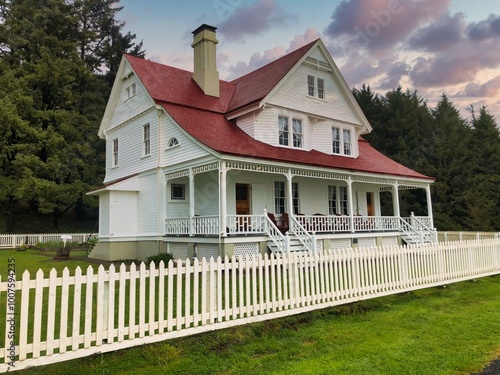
410	231
307	240
427	234
280	241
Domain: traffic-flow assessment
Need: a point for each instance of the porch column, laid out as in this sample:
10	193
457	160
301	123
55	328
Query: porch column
429	205
395	199
289	192
223	197
351	206
191	202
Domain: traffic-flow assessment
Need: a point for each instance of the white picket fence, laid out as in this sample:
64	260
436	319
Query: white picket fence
70	316
12	241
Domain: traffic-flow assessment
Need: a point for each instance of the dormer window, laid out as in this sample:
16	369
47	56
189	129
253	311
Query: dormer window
341	141
315	86
290	136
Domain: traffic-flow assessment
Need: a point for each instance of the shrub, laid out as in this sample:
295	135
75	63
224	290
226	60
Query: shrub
166	257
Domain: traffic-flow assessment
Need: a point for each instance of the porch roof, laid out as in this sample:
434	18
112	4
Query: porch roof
213	130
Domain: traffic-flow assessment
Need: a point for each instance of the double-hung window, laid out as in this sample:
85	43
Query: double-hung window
315	86
115	153
146	140
297	133
347	142
341	141
290	136
279	197
295	197
131	90
338	200
283	130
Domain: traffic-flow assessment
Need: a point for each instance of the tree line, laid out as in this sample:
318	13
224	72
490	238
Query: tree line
58	60
462	154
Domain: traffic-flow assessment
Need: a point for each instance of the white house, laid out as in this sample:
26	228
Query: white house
195	165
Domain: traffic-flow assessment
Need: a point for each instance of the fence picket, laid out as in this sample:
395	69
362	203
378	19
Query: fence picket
77	295
89	288
51	313
63	331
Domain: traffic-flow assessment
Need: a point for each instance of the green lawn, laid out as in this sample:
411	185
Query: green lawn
455	330
33	260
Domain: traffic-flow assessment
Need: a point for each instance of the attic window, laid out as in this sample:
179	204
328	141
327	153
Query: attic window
173	142
131	90
315	86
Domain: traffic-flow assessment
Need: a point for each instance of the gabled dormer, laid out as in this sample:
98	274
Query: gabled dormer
310	107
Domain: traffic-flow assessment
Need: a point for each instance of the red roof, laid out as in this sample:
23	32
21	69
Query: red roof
203	116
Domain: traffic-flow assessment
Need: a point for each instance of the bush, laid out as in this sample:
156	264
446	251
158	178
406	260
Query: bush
166	257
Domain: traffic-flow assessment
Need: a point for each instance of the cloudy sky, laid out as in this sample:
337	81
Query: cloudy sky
432	46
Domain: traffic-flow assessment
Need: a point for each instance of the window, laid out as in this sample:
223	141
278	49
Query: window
338	200
295	197
347	142
146	140
332	200
115	152
321	88
343	201
297	132
336	140
315	86
131	90
311	85
178	192
341	145
279	197
286	133
173	142
283	130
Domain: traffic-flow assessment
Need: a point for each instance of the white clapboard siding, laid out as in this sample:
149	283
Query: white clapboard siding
190	297
131	158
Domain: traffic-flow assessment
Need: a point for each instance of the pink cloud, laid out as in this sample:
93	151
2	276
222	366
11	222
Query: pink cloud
254	19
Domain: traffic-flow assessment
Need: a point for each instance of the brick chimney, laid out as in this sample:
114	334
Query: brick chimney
205	62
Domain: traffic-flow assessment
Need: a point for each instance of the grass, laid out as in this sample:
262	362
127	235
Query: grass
33	260
454	330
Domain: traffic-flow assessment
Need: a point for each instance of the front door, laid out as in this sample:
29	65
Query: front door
369	204
242	199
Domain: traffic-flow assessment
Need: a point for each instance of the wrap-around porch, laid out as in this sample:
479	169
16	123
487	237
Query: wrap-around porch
228	198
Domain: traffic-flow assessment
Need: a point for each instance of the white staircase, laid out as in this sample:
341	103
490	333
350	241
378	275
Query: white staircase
294	245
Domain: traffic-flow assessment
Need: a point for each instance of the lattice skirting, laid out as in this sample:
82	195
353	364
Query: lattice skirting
246	249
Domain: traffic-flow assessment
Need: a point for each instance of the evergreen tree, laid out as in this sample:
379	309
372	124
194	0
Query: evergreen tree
53	98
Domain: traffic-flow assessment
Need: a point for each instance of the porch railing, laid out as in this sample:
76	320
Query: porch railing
246	224
256	224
